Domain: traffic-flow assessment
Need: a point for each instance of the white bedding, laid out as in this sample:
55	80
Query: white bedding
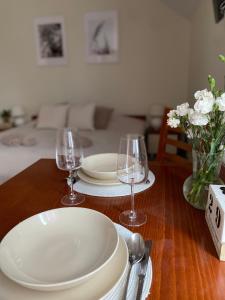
14	159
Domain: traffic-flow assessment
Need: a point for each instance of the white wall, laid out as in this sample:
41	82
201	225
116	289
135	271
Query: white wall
154	56
207	42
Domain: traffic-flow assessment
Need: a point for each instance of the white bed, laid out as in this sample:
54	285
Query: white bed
14	159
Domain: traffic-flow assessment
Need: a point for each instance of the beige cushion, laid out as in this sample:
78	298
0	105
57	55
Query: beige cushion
52	116
102	117
81	116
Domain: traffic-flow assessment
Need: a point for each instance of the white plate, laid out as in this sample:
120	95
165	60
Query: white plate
111	190
59	248
100	166
95	181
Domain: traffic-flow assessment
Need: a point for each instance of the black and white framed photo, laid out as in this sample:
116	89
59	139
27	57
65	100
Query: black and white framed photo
50	40
101	30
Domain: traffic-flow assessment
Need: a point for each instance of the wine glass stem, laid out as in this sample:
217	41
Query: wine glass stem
71	183
132	212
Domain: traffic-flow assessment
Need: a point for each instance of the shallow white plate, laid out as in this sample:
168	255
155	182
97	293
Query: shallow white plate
95	181
59	248
100	166
112	190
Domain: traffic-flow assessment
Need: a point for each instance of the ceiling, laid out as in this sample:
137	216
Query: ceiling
183	7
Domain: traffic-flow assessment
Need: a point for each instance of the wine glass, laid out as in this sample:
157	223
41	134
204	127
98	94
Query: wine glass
69	155
132	168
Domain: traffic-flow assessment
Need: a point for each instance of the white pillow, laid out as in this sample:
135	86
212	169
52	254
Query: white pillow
52	116
81	116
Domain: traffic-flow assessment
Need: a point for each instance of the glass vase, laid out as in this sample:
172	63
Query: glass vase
206	170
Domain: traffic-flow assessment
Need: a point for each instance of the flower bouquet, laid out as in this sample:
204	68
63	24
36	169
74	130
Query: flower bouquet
204	125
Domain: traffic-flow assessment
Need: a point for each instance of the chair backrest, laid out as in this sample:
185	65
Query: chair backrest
174	138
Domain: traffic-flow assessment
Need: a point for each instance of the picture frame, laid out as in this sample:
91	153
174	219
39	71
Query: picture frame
50	41
101	37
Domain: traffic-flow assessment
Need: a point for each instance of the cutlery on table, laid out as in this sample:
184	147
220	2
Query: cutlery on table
143	269
136	249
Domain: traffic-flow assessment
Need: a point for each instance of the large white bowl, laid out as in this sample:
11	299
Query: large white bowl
100	166
58	249
105	285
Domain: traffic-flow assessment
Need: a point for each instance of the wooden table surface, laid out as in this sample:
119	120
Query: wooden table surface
185	264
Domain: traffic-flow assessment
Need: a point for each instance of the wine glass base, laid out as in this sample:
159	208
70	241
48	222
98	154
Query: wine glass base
126	219
67	200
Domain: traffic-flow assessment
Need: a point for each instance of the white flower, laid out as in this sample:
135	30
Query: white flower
197	118
205	101
182	110
173	122
172	113
204	106
200	95
220	101
190	111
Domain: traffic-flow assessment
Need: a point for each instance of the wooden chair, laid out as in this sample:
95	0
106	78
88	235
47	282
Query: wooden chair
182	150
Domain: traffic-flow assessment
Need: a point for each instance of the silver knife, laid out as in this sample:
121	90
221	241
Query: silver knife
143	269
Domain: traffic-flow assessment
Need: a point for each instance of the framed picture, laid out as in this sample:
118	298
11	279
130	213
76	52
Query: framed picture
101	30
50	40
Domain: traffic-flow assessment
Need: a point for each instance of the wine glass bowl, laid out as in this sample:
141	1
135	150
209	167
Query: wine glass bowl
132	168
69	156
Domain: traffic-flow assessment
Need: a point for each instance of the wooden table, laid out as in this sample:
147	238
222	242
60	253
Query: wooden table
185	264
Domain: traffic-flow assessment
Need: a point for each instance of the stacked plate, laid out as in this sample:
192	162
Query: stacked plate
76	250
99	169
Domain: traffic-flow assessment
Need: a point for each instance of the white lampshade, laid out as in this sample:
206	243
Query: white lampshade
17	111
155	115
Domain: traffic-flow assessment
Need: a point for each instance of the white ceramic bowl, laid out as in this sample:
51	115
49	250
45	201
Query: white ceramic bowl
91	180
101	166
59	248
